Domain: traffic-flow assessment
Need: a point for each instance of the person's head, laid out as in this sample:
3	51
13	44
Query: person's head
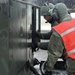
60	13
46	11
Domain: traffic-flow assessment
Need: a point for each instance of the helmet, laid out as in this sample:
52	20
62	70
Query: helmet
46	10
51	5
60	11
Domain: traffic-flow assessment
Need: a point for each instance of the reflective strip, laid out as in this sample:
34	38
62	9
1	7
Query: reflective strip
68	31
70	52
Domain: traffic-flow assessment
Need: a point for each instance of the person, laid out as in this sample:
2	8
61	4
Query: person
62	41
45	36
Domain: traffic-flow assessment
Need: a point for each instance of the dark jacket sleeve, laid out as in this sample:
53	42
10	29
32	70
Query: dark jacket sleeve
45	35
43	45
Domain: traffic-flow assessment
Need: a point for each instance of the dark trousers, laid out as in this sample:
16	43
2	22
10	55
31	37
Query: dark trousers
71	73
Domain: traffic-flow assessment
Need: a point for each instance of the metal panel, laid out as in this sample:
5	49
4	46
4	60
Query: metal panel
4	38
15	22
29	23
18	37
19	27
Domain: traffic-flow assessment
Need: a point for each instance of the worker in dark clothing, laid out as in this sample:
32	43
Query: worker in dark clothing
46	36
62	41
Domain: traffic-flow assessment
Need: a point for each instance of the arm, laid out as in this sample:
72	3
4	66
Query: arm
55	50
44	35
48	35
43	45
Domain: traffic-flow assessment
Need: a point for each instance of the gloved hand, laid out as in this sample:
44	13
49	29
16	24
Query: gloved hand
43	70
35	61
35	46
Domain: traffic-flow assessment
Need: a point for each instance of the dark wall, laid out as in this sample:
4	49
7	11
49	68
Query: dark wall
15	22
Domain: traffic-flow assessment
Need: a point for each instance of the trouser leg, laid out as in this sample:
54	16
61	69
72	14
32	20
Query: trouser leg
70	66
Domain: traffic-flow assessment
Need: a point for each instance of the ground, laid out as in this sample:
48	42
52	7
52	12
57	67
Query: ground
41	55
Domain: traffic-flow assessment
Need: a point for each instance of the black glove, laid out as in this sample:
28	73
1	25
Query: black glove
48	73
35	61
35	46
43	70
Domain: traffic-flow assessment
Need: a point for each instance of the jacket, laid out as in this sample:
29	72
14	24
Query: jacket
67	33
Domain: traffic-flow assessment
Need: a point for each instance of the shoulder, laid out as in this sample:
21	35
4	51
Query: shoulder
56	33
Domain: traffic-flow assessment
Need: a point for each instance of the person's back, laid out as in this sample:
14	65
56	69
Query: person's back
63	16
66	33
